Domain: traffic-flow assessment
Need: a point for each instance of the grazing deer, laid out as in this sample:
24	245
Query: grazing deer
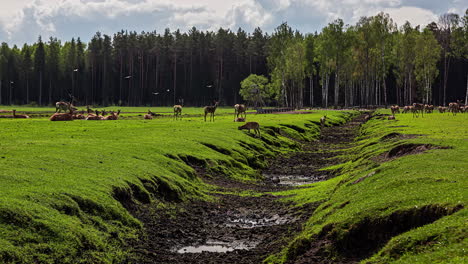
95	116
240	119
252	125
428	108
63	116
238	110
392	117
395	109
418	108
19	116
407	109
211	110
149	115
177	112
442	109
113	116
454	108
322	120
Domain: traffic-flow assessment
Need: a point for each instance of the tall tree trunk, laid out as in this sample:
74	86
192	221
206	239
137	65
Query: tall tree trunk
466	94
175	76
27	89
337	87
40	87
446	68
311	95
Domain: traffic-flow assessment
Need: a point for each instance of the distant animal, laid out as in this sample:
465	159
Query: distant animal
322	120
417	108
149	115
63	116
407	109
454	108
239	109
251	125
395	109
19	116
428	108
177	112
113	116
79	116
240	119
442	109
392	117
211	110
96	116
59	106
104	112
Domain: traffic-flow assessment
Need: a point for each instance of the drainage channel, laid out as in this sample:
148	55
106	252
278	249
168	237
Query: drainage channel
217	247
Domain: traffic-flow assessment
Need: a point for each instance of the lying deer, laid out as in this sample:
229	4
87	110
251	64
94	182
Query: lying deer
95	116
240	119
252	125
177	112
322	120
19	116
113	116
392	117
149	115
211	110
238	110
63	116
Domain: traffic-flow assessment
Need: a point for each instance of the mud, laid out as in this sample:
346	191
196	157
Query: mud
236	228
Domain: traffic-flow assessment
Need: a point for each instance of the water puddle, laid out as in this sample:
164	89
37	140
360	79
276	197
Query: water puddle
217	247
249	222
294	180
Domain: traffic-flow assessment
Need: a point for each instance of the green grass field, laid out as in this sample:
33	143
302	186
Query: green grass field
63	183
409	209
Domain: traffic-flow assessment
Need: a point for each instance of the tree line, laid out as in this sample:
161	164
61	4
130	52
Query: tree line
370	63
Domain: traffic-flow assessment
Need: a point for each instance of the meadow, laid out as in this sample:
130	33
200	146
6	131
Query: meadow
400	196
65	185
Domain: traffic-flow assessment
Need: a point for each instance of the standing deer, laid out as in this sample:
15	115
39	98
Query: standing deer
177	112
418	108
454	108
18	116
59	106
63	116
395	109
252	125
322	120
211	110
238	110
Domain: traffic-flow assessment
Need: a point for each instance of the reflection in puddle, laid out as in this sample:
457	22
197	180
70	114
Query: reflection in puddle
217	246
246	222
294	180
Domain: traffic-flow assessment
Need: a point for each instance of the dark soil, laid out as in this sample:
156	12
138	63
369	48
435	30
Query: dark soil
252	227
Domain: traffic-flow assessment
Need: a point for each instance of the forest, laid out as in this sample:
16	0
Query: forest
374	62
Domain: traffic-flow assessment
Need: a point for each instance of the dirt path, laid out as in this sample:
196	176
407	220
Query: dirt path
240	229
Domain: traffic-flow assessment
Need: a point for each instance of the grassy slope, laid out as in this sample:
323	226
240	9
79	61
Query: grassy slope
59	179
403	193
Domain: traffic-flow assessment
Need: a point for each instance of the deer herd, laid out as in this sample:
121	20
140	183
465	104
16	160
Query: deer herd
420	109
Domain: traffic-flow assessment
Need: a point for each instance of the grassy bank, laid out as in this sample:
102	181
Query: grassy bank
65	185
399	198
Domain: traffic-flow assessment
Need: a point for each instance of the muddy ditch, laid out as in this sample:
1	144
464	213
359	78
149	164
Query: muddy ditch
238	228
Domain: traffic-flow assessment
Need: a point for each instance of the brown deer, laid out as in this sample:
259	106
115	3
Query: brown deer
63	116
113	116
211	110
454	108
428	108
240	119
252	125
95	116
59	106
395	109
177	112
149	115
238	110
392	117
417	108
322	120
407	108
19	116
442	109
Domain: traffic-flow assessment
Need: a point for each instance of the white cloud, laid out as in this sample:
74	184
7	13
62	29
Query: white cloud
23	20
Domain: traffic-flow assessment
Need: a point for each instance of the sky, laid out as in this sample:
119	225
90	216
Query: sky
24	20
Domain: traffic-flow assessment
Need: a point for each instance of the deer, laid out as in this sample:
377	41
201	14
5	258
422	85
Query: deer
322	120
95	116
407	109
63	116
238	110
19	116
89	110
113	116
211	110
395	109
454	108
149	115
417	108
177	112
392	117
251	125
240	119
428	108
442	109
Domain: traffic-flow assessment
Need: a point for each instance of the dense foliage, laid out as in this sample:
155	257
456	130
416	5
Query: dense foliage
371	63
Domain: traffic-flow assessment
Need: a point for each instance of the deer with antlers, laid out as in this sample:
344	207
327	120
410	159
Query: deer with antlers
95	116
251	125
211	110
177	112
239	109
113	115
